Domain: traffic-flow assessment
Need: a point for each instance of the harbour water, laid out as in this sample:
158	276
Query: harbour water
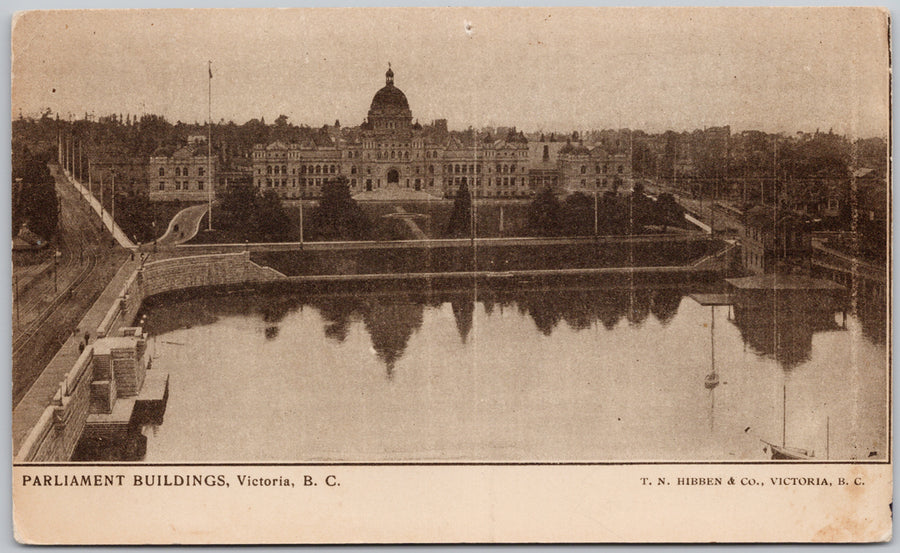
595	375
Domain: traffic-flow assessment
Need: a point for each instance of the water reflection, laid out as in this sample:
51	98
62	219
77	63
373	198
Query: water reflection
391	319
584	373
781	325
390	326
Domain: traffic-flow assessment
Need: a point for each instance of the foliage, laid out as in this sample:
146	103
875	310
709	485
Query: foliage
134	214
270	221
544	214
338	216
254	216
460	222
34	199
668	212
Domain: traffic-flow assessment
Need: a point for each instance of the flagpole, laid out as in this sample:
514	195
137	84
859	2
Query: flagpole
209	149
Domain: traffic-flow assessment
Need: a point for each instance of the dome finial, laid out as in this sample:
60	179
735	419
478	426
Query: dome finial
389	76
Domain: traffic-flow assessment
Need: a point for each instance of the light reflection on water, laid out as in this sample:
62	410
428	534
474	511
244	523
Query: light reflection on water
562	375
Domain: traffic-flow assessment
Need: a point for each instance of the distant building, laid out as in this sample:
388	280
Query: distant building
181	175
391	152
583	169
772	239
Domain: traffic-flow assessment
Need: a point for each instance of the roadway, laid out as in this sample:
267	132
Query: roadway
46	315
184	226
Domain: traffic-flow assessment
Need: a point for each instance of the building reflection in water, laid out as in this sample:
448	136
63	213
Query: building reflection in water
780	324
392	319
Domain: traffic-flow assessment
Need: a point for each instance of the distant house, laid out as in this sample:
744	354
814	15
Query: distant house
26	241
772	239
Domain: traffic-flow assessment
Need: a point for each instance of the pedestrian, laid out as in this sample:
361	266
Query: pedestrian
87	337
80	347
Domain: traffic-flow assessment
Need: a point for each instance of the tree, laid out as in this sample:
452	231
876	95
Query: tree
338	216
578	215
36	204
238	205
134	213
611	214
642	209
668	212
270	220
544	214
460	222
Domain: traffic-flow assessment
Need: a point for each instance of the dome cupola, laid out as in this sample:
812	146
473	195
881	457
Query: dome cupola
389	108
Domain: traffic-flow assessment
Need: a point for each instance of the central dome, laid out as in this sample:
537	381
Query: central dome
389	98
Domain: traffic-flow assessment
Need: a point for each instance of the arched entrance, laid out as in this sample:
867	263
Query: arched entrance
393	177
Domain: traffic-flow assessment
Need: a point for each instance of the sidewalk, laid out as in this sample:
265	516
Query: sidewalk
26	414
105	217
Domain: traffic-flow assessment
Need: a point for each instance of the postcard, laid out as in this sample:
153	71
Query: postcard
451	275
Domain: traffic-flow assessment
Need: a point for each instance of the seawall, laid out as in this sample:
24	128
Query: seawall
61	424
56	433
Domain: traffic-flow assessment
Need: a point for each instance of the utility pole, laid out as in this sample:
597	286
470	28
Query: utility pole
101	197
16	284
113	215
209	148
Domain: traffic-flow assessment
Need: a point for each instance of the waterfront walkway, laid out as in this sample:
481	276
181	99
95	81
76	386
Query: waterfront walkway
27	412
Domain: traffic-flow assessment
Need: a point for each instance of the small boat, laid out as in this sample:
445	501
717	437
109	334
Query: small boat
784	453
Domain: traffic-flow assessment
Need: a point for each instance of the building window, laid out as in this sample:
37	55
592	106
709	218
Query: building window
583	170
200	171
162	185
162	172
199	185
178	171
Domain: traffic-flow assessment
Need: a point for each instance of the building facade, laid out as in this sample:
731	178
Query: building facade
185	174
390	151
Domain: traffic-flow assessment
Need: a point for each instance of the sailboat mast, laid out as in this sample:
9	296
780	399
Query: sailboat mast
712	336
783	415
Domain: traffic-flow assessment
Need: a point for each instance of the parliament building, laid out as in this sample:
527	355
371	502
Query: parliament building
390	153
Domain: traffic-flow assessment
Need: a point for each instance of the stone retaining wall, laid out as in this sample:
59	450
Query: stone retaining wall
54	437
56	434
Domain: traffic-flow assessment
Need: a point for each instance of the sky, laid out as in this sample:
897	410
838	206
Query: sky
777	70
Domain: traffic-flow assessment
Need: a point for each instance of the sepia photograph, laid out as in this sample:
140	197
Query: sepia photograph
442	239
